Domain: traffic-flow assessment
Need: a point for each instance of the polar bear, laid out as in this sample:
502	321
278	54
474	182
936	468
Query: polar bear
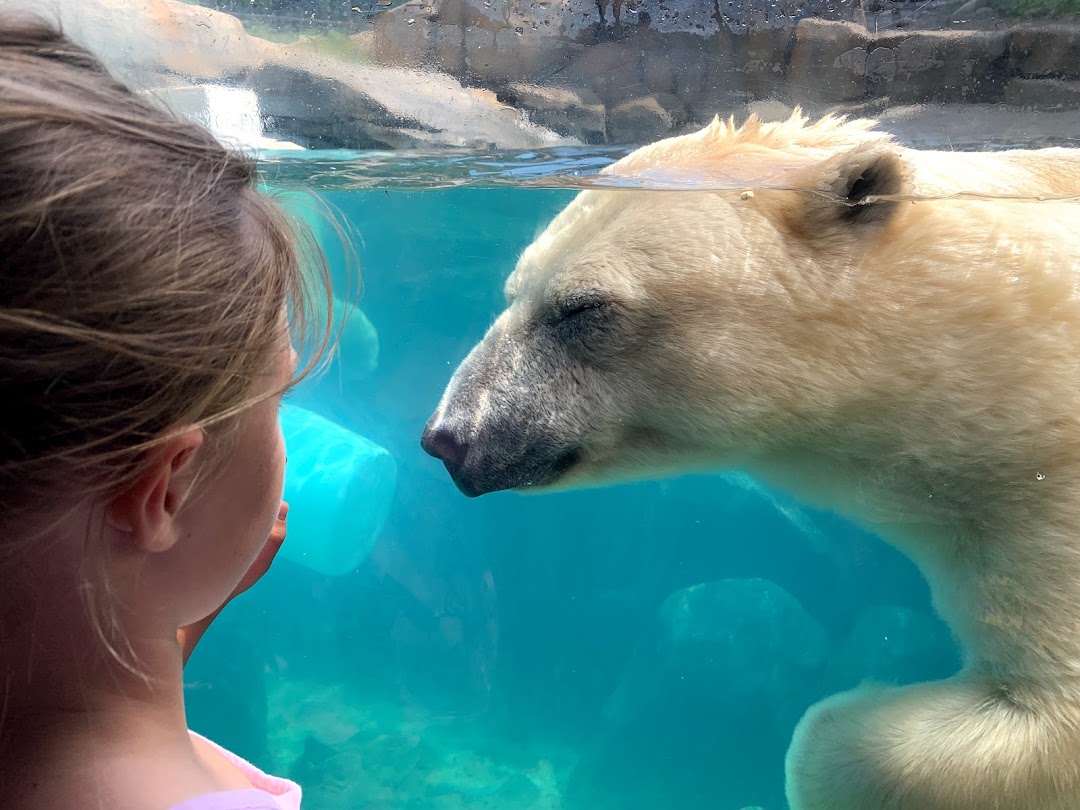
890	333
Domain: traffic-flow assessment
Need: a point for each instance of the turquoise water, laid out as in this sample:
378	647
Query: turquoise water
642	646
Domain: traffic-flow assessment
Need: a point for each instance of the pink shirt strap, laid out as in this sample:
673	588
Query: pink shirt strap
267	792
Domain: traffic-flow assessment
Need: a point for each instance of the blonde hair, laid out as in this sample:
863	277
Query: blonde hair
142	276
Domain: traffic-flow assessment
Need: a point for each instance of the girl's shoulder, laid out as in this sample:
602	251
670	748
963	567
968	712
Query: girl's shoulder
267	792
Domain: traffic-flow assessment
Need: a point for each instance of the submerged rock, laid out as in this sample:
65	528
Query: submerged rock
730	641
893	645
339	486
707	704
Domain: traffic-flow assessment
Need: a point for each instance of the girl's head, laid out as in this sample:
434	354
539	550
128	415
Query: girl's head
144	286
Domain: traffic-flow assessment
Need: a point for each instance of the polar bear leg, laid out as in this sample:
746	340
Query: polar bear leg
958	744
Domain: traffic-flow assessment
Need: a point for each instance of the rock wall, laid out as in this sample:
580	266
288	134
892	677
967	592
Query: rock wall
528	74
652	68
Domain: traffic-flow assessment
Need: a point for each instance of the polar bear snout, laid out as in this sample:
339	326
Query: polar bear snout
501	423
442	441
444	444
503	456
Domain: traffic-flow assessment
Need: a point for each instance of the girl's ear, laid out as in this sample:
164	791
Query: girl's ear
146	508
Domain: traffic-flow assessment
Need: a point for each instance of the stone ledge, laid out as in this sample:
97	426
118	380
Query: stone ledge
646	77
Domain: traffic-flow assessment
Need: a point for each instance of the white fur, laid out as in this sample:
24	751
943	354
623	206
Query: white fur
920	374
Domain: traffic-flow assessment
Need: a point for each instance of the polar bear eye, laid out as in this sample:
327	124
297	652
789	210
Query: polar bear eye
581	305
589	327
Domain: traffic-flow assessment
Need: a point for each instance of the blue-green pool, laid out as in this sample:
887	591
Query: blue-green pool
639	647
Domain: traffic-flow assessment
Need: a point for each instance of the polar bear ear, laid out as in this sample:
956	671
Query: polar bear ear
857	188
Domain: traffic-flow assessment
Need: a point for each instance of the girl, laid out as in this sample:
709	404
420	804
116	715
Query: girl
144	348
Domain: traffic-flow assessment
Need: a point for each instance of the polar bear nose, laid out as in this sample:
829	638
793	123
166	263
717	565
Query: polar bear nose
444	445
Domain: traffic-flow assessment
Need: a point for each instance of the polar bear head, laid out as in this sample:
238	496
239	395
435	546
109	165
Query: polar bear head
650	331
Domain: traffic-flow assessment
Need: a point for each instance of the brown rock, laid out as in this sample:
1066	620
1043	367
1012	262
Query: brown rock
639	121
719	75
762	56
575	113
829	59
841	62
1046	51
967	11
611	70
702	71
1043	94
736	68
494	43
659	71
620	50
674	107
881	64
938	66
